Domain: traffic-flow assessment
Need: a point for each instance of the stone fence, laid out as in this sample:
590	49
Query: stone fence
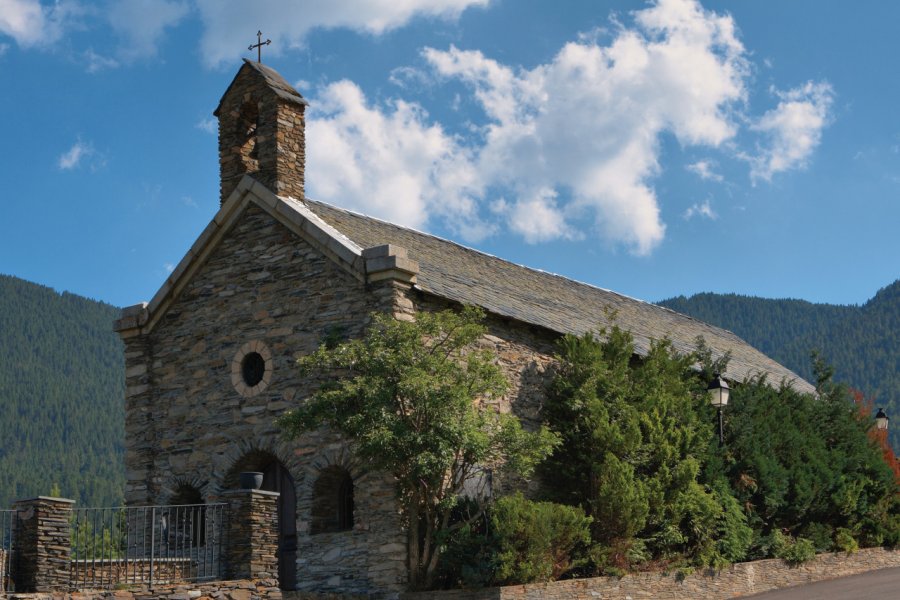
260	589
737	580
43	560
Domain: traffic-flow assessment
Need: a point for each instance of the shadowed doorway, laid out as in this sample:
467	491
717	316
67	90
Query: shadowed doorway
276	478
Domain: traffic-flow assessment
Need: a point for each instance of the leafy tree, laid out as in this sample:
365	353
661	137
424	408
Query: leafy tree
802	464
414	399
536	541
516	541
635	436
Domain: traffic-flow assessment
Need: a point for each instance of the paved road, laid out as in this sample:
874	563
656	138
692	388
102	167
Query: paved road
883	584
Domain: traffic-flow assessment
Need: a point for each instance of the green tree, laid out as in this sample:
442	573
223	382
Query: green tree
414	398
805	465
536	541
636	433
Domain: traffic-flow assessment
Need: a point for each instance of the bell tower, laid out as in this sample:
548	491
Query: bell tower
261	132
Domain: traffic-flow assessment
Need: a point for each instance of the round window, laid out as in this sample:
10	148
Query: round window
251	369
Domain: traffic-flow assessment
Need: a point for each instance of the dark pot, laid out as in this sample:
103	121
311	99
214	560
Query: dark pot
251	480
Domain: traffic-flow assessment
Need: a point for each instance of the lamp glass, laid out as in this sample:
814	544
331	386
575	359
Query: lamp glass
881	419
718	392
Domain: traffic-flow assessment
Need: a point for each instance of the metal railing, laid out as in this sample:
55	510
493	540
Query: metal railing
146	545
7	536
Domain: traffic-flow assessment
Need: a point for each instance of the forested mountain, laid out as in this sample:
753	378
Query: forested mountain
862	343
61	396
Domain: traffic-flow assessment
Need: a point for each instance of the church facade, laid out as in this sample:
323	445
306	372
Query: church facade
210	360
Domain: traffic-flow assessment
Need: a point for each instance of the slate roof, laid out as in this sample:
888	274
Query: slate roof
273	80
461	274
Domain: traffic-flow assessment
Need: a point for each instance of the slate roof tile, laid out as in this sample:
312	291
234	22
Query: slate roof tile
461	274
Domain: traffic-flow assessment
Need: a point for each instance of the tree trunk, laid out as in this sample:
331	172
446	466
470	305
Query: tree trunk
413	549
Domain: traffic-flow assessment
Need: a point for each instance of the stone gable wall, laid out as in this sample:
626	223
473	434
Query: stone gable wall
186	423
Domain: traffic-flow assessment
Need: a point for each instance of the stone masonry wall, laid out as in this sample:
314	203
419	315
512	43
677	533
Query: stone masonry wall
186	424
265	589
252	547
737	580
43	544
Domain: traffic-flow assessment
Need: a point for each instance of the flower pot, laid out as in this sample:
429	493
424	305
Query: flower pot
251	480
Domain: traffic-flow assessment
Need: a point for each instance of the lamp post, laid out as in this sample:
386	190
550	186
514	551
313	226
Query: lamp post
881	420
718	391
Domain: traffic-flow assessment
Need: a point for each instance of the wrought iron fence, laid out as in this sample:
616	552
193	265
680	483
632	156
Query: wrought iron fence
146	545
7	536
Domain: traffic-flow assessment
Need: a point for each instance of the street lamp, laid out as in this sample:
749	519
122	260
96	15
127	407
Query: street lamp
718	391
881	420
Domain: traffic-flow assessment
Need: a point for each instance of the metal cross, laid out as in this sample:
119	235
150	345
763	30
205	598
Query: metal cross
258	45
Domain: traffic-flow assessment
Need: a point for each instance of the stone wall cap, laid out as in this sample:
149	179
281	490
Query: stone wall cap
251	492
46	499
134	309
385	250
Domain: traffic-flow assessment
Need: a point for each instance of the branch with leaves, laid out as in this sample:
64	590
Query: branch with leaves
415	400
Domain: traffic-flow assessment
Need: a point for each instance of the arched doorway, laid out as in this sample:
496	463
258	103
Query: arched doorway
276	478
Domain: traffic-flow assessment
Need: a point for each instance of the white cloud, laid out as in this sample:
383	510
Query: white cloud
209	125
571	145
287	22
388	162
538	218
141	24
794	129
3	49
701	210
97	63
72	158
589	121
169	267
704	170
32	24
409	77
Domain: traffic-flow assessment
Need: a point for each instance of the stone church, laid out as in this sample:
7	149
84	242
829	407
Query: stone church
210	360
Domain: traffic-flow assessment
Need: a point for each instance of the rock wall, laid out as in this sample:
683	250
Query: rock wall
737	580
42	552
266	589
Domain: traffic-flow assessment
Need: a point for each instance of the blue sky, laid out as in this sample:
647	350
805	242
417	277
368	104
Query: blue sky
652	148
